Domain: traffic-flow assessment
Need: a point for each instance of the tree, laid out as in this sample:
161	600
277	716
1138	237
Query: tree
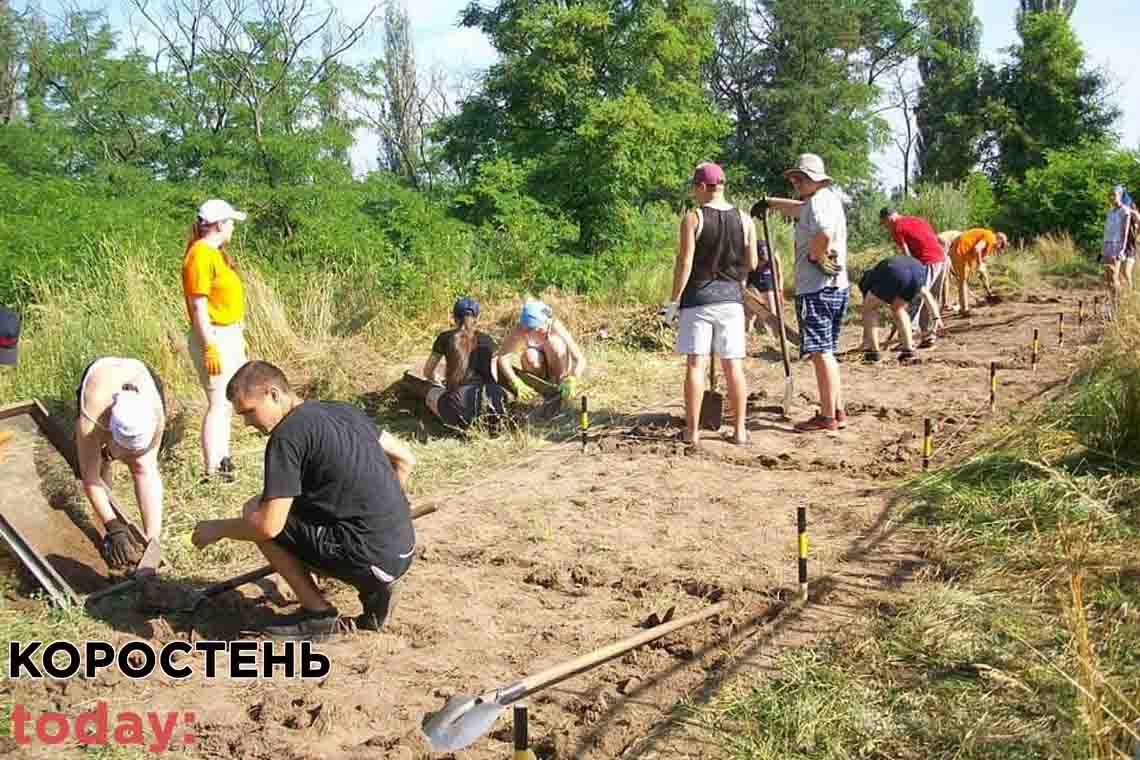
9	62
602	100
906	138
1048	6
249	84
402	104
948	110
1044	99
798	79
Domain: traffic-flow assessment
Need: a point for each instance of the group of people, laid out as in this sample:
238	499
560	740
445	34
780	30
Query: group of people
724	279
333	498
468	379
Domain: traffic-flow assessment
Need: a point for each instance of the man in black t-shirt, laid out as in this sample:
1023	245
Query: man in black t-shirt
333	501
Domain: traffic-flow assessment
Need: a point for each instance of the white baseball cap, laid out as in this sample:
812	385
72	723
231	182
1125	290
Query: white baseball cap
133	421
216	210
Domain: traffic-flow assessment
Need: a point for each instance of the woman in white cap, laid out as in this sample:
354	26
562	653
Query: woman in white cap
215	302
122	413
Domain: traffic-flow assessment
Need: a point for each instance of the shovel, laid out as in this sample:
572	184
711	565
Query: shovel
712	402
417	386
463	719
778	284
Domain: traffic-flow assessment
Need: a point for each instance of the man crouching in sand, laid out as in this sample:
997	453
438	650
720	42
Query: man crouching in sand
333	501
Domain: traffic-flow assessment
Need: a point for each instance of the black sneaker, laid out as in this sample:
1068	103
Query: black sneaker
377	606
907	356
927	342
870	357
308	625
226	470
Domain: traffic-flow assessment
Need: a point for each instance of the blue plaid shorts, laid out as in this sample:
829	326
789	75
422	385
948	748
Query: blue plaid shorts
820	315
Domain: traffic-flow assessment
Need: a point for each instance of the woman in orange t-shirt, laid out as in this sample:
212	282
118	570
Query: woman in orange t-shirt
215	302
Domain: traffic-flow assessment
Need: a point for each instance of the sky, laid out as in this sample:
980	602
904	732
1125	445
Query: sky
1105	27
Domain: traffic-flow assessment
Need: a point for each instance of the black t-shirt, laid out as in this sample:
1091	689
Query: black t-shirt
479	365
327	456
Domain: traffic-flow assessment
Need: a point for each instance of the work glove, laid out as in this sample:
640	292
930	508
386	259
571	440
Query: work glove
212	359
117	548
829	265
567	387
670	312
760	207
523	392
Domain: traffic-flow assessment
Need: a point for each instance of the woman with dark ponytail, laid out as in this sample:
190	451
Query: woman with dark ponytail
470	386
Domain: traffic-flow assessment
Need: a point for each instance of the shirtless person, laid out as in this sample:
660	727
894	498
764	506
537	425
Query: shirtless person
548	349
122	413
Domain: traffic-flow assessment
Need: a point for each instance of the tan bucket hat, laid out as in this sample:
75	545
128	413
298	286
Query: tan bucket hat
811	165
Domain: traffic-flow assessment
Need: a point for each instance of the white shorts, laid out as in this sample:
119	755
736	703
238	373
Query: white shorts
231	346
717	328
1113	251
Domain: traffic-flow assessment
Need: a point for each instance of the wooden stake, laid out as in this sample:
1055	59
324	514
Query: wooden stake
993	385
521	734
927	443
584	424
801	526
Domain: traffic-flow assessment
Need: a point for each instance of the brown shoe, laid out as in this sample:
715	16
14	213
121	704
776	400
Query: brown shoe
817	424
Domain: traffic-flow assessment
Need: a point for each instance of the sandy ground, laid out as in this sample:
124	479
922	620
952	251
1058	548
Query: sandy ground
562	552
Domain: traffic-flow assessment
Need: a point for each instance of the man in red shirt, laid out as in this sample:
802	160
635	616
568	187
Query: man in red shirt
915	237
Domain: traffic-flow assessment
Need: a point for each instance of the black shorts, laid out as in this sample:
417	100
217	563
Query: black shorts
462	406
153	376
334	549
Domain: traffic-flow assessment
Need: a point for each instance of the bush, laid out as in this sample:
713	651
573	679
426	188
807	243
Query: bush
945	206
1069	194
982	201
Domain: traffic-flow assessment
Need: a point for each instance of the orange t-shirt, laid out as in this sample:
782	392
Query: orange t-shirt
962	254
206	273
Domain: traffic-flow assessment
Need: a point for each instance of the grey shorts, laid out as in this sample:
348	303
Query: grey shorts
717	328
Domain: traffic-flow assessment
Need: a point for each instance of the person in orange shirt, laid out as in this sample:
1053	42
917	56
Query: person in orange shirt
967	253
215	302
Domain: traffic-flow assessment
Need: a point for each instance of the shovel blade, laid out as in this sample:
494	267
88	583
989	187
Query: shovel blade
712	410
789	395
460	722
150	560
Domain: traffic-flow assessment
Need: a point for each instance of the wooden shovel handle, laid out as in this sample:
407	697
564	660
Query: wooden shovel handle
778	288
559	673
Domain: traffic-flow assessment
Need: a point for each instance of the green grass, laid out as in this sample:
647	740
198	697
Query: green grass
1021	638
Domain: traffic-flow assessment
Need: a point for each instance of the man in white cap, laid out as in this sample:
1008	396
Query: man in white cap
821	280
121	415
